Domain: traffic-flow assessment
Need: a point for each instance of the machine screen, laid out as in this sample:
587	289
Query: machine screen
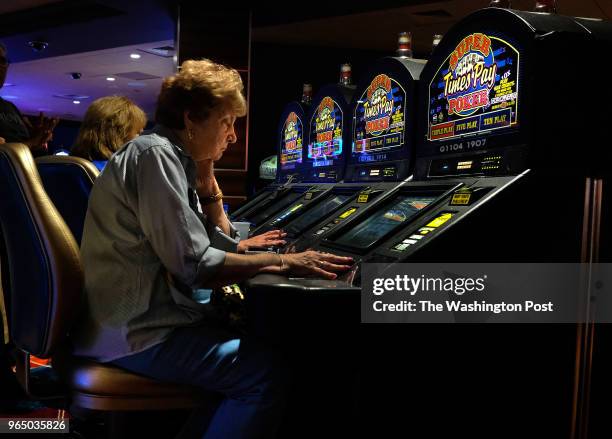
476	89
326	133
379	120
313	215
292	137
369	231
262	215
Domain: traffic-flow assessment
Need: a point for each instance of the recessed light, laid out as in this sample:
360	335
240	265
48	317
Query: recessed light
110	78
76	102
134	56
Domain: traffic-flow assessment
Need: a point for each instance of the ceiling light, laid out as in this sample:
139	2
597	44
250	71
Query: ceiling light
76	102
110	78
134	56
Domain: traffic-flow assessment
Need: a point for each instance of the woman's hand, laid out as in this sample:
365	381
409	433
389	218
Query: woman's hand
314	263
206	183
207	186
273	238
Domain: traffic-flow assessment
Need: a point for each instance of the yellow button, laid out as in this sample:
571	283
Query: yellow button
348	213
437	222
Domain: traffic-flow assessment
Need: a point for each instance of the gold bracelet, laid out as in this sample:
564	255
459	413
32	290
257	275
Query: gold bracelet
204	201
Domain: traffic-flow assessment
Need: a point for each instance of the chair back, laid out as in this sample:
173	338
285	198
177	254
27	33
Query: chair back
45	274
68	181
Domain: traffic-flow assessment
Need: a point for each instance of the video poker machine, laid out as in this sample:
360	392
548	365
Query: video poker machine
292	135
380	150
489	123
503	173
322	161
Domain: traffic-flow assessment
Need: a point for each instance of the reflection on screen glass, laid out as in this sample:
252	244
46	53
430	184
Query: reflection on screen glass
262	215
366	233
316	213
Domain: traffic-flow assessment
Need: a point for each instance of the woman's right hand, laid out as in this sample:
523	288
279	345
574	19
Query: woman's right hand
314	263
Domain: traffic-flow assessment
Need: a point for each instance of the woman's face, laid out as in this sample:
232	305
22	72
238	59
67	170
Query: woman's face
212	136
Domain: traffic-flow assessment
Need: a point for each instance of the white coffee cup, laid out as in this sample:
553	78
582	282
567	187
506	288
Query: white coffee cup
243	228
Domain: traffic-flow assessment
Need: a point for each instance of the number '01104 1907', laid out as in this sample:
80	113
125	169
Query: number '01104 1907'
461	146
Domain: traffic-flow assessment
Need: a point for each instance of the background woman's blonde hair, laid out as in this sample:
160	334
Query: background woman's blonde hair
199	87
109	123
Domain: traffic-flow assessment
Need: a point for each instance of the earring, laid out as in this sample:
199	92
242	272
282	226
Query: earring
190	134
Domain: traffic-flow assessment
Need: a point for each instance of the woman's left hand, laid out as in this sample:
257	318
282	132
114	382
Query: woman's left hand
273	238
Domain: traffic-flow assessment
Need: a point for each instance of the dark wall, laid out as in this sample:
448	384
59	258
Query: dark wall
221	33
277	75
64	135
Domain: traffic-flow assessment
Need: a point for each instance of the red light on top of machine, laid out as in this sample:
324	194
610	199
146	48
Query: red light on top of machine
404	44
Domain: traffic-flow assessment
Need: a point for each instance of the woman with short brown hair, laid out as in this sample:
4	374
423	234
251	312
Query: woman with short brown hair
109	123
155	232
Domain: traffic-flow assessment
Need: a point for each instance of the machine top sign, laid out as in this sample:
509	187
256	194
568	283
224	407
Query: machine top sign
475	90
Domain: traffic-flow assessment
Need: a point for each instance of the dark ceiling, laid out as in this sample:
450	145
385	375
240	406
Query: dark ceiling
270	14
76	26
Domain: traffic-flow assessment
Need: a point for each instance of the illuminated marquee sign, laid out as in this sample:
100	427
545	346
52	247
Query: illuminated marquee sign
326	133
475	89
380	119
291	142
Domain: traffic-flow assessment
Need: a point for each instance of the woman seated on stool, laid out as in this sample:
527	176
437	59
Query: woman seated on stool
112	121
156	231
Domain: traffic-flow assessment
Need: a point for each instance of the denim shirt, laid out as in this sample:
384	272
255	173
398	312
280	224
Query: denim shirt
146	247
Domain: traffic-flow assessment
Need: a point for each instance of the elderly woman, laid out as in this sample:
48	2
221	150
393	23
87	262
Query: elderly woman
156	231
109	123
112	121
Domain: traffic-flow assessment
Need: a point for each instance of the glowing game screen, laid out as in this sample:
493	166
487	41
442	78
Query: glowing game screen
369	231
326	127
292	138
263	214
475	89
316	213
379	119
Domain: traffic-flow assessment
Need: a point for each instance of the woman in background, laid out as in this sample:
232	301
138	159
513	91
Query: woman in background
110	122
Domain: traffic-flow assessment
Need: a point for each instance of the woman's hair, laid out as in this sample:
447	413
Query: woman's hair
108	124
199	87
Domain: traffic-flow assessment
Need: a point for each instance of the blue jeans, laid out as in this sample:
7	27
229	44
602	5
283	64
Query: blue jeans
252	378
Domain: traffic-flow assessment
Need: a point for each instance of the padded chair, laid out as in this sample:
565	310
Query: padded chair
46	281
68	182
